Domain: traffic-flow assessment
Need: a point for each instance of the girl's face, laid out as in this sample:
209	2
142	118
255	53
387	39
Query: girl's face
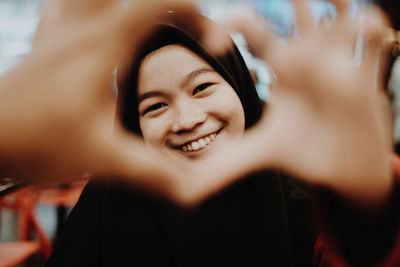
185	107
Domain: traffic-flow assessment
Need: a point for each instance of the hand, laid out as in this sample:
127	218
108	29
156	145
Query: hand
56	107
327	121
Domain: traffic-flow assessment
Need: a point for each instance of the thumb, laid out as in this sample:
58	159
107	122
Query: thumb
126	158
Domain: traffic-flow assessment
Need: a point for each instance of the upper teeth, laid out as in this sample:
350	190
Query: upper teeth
199	144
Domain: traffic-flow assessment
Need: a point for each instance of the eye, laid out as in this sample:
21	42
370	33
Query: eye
154	108
201	87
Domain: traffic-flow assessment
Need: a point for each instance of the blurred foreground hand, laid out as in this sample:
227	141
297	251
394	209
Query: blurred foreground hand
327	121
325	124
56	107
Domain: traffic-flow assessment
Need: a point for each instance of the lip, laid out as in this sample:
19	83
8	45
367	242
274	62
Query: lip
194	139
199	151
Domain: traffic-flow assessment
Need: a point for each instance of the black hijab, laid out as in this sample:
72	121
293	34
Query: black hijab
230	66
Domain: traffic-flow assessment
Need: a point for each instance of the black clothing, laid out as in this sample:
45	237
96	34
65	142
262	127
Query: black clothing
260	221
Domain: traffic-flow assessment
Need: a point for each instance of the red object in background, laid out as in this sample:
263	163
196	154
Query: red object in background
326	256
396	164
24	202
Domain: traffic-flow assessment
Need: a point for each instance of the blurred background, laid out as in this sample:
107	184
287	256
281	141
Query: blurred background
19	20
37	214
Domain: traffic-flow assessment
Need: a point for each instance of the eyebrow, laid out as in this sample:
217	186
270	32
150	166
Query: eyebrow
149	94
189	77
194	74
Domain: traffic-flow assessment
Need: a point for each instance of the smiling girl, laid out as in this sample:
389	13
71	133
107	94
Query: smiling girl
186	103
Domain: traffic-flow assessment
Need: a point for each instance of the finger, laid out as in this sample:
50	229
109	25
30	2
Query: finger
304	17
342	8
136	21
342	13
82	9
343	26
227	165
59	13
254	28
142	15
50	15
375	53
125	157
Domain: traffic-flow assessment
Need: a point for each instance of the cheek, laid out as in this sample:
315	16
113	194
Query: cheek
237	115
153	130
230	109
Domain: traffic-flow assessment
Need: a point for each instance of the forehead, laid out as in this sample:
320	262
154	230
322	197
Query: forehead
170	53
168	64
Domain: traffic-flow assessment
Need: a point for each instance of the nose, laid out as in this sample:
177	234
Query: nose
187	116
